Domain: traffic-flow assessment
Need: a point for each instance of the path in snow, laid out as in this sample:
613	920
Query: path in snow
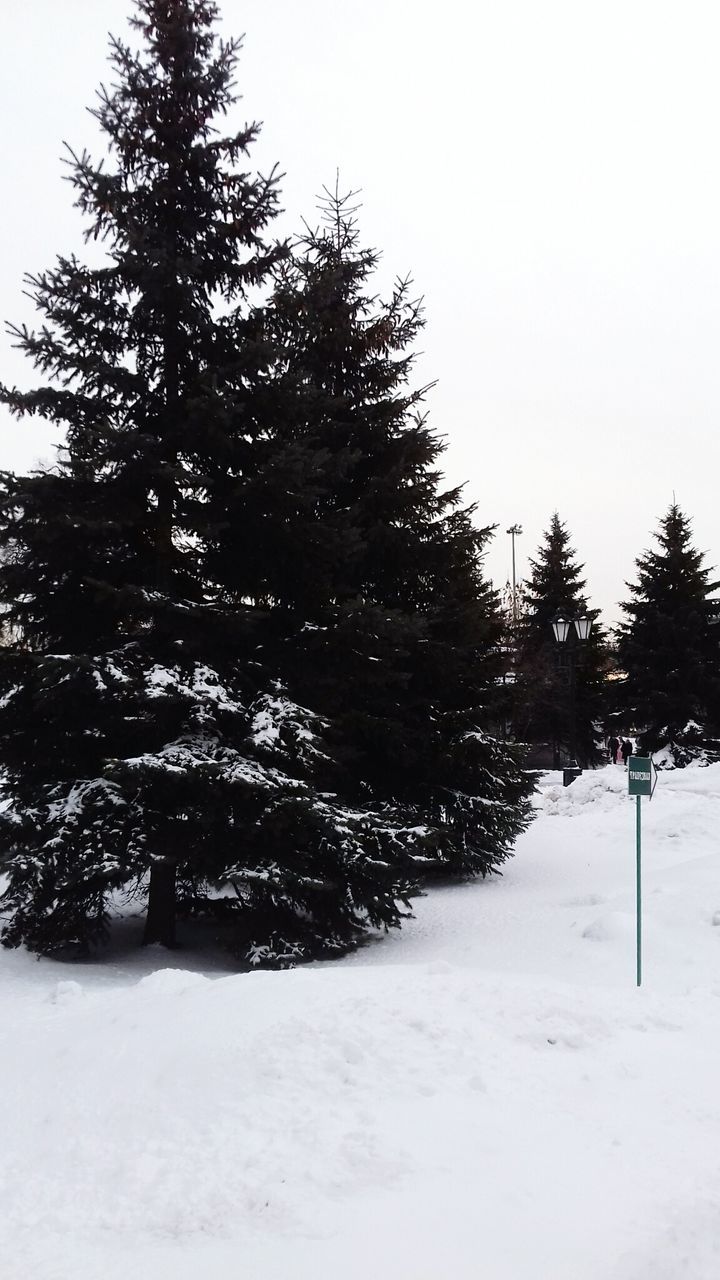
485	1094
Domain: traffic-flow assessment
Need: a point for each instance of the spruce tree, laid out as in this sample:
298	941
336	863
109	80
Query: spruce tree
145	742
251	645
100	578
669	647
543	697
389	627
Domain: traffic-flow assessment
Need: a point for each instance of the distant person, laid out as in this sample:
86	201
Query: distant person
613	745
626	750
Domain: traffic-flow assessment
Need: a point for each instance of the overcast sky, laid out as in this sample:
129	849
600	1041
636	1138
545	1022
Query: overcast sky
548	173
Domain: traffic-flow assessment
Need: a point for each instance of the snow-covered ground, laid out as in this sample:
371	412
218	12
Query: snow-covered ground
486	1096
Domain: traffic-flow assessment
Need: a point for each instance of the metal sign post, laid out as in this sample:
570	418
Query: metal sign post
640	783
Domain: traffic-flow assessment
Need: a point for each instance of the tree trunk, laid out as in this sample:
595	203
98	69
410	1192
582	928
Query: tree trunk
160	921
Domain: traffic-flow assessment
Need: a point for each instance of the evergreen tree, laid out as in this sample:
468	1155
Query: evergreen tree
389	627
229	608
548	707
144	741
101	552
669	647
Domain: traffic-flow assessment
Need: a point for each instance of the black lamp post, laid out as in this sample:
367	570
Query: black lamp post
562	627
515	530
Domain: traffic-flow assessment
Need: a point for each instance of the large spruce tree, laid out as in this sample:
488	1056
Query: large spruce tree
108	697
144	741
390	629
669	647
250	642
544	710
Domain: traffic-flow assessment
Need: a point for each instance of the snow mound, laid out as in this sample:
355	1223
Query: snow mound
184	1105
171	982
603	789
611	927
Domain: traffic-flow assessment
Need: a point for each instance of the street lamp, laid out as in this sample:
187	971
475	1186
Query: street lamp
515	530
562	627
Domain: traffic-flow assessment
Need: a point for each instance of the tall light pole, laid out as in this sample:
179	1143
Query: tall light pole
562	627
515	530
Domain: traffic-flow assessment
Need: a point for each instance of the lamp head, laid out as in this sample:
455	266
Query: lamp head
561	627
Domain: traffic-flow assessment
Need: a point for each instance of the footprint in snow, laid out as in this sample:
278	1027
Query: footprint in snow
66	992
588	900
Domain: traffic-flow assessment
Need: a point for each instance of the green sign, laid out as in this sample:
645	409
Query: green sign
640	783
640	776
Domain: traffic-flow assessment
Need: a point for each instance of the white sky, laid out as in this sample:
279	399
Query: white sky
546	170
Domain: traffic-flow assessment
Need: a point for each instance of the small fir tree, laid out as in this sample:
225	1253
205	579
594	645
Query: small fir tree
669	647
549	709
